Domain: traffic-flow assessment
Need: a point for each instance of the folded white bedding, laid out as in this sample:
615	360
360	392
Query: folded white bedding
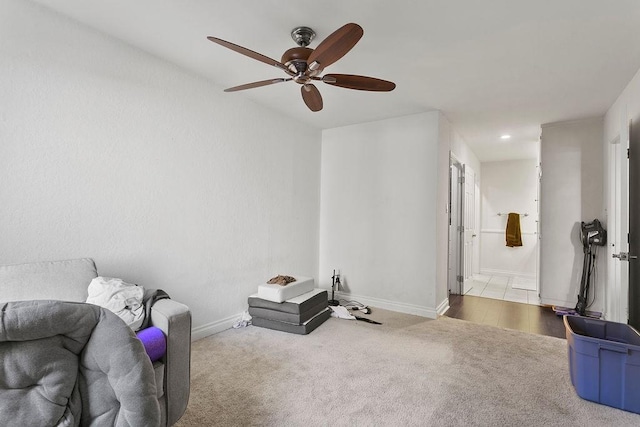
278	293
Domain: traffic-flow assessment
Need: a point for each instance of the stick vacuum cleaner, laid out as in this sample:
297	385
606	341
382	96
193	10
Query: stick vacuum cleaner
592	234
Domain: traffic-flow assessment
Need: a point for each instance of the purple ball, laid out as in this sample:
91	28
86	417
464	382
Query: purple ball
154	342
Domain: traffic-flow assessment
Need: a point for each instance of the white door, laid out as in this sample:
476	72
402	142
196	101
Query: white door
470	232
617	293
538	210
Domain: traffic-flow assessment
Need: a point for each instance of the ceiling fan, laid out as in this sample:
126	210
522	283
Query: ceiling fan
304	65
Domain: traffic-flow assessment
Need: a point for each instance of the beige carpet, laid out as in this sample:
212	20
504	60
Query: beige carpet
409	371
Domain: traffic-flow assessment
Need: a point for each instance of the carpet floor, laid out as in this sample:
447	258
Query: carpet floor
409	371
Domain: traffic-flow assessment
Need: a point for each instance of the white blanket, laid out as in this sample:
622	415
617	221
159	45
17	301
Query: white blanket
341	312
119	297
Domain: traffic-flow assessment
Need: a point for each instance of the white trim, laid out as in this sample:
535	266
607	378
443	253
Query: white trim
218	326
453	158
400	307
499	231
443	307
557	302
495	272
566	122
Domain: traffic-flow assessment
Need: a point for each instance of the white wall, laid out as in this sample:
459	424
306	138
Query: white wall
378	215
110	153
508	186
463	153
571	192
446	136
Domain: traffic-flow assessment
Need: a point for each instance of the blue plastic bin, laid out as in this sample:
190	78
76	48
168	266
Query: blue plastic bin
604	361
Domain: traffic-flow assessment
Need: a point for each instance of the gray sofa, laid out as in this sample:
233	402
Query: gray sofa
68	281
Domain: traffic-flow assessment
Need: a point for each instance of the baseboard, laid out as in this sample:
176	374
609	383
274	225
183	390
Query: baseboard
570	304
218	326
443	307
502	231
557	302
496	272
400	307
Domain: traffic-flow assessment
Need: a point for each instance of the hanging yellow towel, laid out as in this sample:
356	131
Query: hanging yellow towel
513	234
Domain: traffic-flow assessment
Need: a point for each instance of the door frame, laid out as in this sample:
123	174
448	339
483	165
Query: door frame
614	307
538	216
456	235
469	224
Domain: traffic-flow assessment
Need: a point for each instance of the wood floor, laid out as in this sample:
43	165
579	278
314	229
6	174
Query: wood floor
506	314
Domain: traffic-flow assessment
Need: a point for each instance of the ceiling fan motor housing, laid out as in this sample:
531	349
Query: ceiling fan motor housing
296	59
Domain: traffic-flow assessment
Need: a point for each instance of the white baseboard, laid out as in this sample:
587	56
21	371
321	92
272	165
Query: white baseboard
400	307
502	231
560	303
218	326
443	307
495	272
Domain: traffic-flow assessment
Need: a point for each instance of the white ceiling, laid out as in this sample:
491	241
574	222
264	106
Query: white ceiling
492	67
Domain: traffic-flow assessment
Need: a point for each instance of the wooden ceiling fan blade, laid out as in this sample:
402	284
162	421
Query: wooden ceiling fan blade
256	84
311	96
351	81
335	46
251	54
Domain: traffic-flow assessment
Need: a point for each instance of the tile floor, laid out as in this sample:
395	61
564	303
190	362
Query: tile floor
504	288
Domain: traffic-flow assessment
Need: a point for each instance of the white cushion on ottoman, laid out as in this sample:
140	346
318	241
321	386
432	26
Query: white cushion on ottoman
278	293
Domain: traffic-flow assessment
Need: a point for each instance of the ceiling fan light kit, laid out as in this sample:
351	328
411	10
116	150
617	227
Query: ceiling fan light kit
304	64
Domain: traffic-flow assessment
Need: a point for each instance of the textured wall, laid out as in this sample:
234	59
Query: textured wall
509	186
446	134
110	153
378	210
571	191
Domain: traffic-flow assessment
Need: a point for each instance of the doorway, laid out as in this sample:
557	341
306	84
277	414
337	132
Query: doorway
508	273
462	226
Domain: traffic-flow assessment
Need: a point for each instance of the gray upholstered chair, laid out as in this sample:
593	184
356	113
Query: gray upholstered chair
68	281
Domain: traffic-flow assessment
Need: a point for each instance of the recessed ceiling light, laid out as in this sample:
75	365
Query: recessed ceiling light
505	137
